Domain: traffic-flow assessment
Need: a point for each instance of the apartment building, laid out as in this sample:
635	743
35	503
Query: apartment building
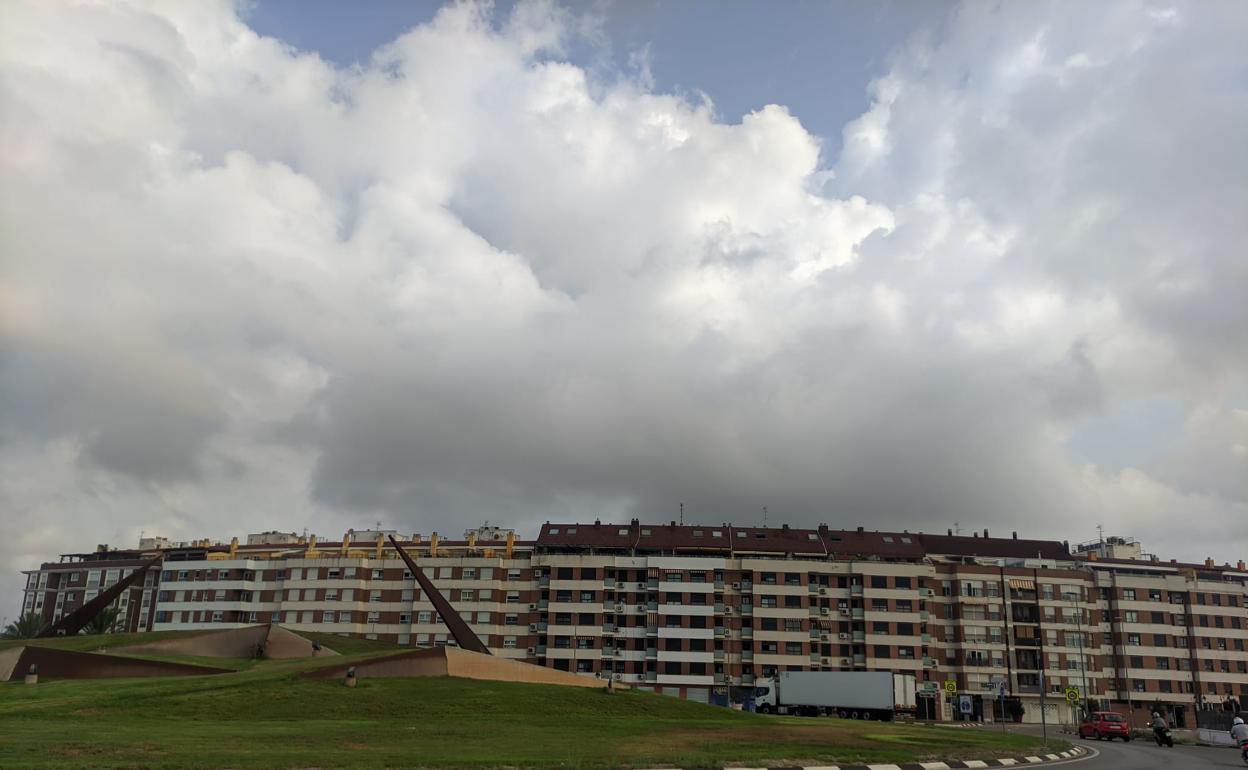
704	612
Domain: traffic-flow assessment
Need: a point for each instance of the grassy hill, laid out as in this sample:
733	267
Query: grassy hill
268	716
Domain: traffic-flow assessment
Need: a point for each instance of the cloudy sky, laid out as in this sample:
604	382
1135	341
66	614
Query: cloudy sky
276	266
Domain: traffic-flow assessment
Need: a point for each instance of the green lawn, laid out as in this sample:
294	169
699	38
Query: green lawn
270	717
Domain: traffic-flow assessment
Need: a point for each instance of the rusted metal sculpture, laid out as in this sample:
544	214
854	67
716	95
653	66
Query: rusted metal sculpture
72	623
463	635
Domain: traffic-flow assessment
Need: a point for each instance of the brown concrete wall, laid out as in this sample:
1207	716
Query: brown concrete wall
450	661
63	664
471	665
282	643
231	643
8	659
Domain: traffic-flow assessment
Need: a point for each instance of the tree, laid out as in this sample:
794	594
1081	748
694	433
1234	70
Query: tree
27	626
105	622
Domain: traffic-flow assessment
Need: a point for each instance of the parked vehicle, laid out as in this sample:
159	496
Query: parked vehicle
848	694
1105	725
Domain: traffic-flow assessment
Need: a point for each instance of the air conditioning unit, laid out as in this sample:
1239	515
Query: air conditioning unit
619	608
844	661
641	608
823	637
823	592
842	635
824	611
727	610
641	585
618	677
826	661
845	611
736	586
532	626
531	651
532	606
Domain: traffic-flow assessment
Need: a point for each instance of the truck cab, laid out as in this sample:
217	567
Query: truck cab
765	697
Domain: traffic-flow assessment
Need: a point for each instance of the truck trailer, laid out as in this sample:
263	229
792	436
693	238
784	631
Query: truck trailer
848	694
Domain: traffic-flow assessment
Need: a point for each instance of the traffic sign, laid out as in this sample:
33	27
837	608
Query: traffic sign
966	704
951	686
1072	695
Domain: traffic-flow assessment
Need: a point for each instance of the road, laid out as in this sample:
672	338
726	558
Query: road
1147	755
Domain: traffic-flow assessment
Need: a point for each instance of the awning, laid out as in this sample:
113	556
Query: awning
1023	584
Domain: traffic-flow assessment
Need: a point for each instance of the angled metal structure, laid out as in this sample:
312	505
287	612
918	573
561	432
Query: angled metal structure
72	623
462	634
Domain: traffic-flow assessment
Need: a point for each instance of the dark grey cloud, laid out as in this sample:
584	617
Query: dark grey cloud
244	289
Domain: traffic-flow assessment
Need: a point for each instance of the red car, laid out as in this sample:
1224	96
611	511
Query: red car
1104	725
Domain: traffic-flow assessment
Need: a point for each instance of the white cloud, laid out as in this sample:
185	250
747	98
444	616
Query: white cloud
243	289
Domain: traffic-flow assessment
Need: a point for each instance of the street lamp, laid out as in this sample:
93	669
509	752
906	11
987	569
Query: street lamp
1083	664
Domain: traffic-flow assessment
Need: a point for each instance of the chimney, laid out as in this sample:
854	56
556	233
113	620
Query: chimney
1014	534
1240	565
860	530
949	532
975	535
1209	563
985	533
784	527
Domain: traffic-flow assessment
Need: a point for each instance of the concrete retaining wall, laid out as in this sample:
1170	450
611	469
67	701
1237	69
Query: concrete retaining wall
451	661
281	644
231	643
64	664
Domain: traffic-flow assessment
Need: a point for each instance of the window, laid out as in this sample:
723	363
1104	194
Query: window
468	595
334	573
1131	616
379	574
901	582
1133	639
792	648
767	601
883	651
879	605
793	578
879	581
768	578
879	627
424	616
554	530
405	618
374	617
374	596
328	617
509	642
331	594
470	573
905	605
793	602
1128	594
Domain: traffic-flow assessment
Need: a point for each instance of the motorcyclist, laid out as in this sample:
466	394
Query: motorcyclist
1159	728
1239	732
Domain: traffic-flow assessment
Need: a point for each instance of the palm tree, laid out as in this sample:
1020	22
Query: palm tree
103	623
27	626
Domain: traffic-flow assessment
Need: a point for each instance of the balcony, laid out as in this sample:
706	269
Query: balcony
856	613
925	638
747	633
859	636
924	615
855	590
929	663
747	656
652	584
1028	689
721	679
608	652
719	585
652	630
747	585
719	655
1026	642
543	581
652	653
608	628
860	661
747	609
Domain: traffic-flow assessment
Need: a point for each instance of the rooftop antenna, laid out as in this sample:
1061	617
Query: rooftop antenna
956	529
764	517
1100	534
682	514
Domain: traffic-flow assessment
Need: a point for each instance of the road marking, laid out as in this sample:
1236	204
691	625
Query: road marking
1033	760
1007	762
883	767
975	763
934	766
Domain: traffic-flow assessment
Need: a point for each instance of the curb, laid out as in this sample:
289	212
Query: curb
1073	753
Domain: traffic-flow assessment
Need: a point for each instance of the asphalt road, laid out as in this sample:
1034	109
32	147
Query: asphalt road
1147	755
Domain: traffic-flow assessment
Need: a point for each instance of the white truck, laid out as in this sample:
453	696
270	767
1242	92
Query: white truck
848	694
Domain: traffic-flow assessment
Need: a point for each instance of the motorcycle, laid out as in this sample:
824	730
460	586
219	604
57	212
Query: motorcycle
1243	751
1163	737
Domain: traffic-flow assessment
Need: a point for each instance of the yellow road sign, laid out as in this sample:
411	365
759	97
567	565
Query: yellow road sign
951	686
1072	695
